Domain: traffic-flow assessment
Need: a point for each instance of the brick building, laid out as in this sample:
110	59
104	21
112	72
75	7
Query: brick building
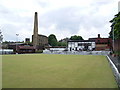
102	43
22	48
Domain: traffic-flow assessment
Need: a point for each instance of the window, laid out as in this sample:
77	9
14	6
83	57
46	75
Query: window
79	44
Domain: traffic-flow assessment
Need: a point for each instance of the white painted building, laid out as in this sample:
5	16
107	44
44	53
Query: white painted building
81	45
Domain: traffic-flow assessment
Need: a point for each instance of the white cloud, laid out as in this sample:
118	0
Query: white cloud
60	17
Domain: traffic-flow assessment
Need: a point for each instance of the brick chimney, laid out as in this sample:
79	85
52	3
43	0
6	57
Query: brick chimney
35	31
98	35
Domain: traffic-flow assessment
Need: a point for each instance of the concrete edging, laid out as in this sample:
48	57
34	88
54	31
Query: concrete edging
115	71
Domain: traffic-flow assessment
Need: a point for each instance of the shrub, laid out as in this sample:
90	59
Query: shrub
39	51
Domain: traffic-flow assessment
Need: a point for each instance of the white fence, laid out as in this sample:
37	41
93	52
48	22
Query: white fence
77	52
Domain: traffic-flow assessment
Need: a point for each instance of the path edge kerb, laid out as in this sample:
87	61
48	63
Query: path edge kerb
115	71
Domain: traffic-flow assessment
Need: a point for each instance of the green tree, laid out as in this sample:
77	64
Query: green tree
115	27
61	43
52	40
75	37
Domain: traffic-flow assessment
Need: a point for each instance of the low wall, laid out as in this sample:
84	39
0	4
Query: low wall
115	71
6	51
77	52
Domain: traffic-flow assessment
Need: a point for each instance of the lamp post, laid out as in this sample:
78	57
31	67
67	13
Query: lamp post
113	40
1	40
16	41
1	43
113	36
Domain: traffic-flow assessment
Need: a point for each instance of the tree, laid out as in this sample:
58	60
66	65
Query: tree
115	27
75	37
61	43
52	40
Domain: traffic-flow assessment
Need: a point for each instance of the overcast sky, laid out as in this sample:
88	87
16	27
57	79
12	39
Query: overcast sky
63	18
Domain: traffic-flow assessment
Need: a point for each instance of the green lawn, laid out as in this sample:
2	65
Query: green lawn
57	71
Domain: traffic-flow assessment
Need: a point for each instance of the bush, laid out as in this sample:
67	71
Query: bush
40	51
117	53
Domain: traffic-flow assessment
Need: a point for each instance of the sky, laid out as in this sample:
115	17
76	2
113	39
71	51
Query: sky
64	18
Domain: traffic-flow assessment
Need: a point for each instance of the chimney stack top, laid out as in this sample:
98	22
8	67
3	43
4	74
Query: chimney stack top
98	35
35	12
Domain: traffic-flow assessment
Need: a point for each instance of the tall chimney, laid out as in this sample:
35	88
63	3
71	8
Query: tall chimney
35	32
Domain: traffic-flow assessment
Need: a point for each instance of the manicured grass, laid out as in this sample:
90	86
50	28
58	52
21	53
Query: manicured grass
57	71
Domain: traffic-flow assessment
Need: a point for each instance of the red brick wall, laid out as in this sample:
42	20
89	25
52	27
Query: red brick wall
102	47
117	45
103	41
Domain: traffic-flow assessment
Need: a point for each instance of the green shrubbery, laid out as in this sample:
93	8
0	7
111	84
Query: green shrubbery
117	53
40	51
